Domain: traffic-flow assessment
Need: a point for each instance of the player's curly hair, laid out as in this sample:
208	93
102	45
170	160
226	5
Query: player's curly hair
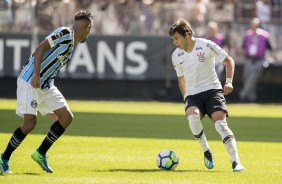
83	14
181	26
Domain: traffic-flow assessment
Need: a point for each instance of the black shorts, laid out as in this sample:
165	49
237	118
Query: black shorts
208	102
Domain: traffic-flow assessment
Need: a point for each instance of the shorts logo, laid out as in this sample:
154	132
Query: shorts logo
33	104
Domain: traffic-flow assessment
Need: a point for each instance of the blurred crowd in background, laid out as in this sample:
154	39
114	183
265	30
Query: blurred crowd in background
146	17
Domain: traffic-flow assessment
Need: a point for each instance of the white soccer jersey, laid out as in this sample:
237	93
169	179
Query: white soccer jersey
198	66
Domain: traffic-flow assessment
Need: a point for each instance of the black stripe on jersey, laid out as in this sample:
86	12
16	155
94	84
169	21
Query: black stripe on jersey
66	42
49	77
33	61
64	32
54	50
51	64
47	67
27	62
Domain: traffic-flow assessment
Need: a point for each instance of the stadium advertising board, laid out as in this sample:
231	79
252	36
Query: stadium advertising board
101	57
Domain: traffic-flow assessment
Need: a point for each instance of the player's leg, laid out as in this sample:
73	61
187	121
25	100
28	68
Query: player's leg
55	102
56	130
193	115
65	118
228	139
16	139
217	111
196	127
26	108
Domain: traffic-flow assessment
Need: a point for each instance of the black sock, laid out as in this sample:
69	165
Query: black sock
54	133
14	142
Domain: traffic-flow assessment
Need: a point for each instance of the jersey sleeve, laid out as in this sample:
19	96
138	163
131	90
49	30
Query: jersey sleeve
58	36
217	52
178	70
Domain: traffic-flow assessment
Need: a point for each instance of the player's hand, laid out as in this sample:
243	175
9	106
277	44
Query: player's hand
228	88
52	116
35	81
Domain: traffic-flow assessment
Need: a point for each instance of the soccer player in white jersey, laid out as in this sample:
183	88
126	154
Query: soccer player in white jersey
37	92
194	63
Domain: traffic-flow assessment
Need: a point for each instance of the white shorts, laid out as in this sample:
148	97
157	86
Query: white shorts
31	100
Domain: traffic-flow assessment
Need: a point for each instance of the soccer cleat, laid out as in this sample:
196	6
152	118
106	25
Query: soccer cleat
4	166
208	159
41	160
237	167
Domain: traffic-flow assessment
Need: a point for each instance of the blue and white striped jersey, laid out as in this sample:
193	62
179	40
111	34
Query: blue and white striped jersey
60	53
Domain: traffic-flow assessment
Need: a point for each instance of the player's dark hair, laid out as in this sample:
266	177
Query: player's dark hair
83	14
181	26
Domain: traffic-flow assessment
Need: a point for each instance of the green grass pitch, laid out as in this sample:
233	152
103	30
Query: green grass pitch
117	142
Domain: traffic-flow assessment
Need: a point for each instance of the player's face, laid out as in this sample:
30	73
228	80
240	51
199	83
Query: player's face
179	40
85	33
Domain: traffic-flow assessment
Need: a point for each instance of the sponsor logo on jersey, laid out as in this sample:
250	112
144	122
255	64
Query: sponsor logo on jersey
201	56
212	49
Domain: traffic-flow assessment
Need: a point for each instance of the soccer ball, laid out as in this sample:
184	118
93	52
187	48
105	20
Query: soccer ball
167	160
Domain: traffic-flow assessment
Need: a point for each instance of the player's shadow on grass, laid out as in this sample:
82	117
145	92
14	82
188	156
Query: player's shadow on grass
27	173
156	170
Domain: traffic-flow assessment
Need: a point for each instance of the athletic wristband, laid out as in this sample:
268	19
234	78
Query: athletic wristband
228	80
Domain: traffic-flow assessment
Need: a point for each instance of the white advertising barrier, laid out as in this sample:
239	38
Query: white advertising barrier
103	57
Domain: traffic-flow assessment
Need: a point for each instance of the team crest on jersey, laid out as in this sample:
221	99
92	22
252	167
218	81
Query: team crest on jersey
33	104
61	59
59	35
201	56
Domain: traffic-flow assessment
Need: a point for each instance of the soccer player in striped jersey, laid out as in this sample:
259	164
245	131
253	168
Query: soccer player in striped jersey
194	63
36	90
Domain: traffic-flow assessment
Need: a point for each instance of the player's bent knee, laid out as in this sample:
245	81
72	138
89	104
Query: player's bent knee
28	125
196	126
193	117
71	117
192	111
66	119
218	115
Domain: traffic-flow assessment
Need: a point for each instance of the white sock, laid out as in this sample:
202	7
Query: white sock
228	139
198	131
